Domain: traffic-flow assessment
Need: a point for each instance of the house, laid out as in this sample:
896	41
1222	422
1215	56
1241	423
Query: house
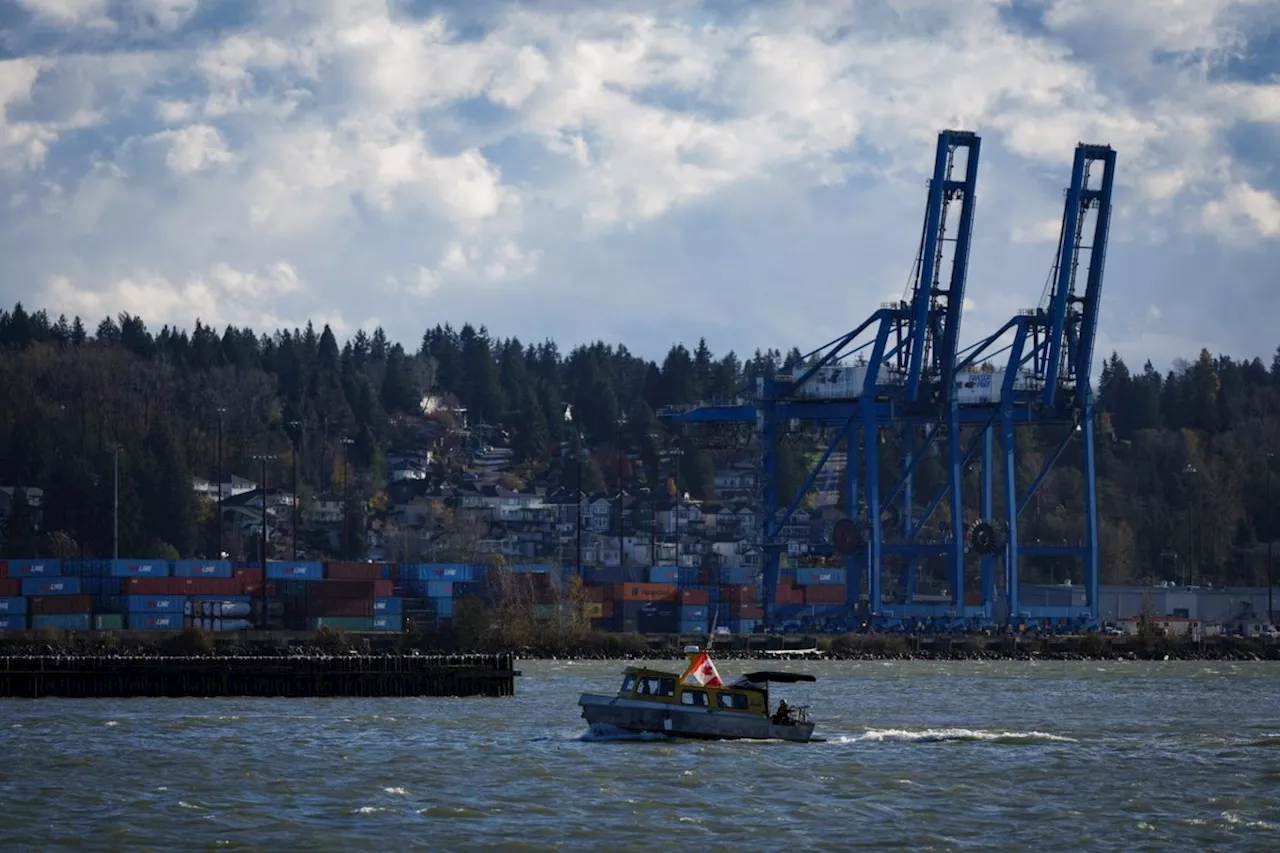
231	487
35	502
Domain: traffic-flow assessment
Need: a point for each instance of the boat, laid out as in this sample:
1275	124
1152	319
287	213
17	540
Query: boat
698	704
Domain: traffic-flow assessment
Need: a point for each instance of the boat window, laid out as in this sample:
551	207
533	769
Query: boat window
694	697
662	686
731	700
642	687
628	684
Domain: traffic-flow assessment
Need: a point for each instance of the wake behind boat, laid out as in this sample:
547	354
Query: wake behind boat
698	704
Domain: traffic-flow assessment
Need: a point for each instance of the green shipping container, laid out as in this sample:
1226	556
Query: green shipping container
344	623
108	622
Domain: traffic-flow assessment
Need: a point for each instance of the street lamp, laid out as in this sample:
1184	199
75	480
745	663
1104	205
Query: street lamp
1271	580
622	422
115	502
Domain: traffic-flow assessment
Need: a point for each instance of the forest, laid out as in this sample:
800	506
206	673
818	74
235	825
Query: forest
1185	457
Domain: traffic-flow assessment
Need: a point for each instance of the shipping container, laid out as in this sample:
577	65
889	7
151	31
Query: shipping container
443	606
13	604
211	586
737	575
288	570
34	568
108	622
10	587
154	586
388	605
62	621
154	603
50	586
217	625
646	592
343	623
354	571
693	596
664	574
140	568
812	577
340	607
217	608
439	589
688	613
745	626
437	571
824	594
738	593
154	621
203	569
51	604
694	627
388	622
13	622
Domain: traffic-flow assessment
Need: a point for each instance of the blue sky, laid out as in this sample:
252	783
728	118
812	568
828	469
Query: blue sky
749	172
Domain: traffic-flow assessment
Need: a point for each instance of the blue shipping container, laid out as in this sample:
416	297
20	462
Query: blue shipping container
13	605
443	606
85	568
50	586
744	626
283	570
440	571
62	621
664	574
807	577
140	568
387	605
439	589
13	622
737	575
155	621
34	568
693	612
154	603
694	627
387	621
202	569
531	568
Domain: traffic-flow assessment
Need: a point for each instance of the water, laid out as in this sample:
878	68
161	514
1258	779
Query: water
919	756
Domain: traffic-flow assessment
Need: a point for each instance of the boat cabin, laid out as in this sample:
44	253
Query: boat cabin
657	686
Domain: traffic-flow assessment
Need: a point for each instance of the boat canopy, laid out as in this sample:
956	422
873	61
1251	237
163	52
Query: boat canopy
776	677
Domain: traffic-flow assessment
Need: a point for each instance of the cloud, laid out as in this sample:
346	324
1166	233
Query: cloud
753	173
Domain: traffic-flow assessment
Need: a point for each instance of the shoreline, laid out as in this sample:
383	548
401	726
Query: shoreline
554	646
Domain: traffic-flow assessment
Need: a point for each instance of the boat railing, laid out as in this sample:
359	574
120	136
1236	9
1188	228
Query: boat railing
801	713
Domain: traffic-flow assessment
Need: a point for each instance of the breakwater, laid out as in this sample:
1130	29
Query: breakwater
308	675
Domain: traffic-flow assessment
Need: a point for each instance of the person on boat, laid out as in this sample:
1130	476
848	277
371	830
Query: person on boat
782	715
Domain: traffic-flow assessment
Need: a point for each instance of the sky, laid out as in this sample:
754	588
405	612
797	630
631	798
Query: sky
638	173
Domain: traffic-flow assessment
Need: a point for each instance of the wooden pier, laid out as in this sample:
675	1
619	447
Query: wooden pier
103	676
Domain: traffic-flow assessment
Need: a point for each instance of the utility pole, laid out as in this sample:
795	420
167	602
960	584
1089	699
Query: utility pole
221	411
262	458
346	500
622	562
296	436
115	503
1190	471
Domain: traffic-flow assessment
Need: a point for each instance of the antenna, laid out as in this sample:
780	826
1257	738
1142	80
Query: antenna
711	635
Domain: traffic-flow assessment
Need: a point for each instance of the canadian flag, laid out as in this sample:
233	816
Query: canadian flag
702	672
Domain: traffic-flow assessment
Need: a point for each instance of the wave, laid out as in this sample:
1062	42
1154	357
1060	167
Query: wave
951	736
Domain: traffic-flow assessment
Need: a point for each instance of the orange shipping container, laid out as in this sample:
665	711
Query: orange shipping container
595	593
647	592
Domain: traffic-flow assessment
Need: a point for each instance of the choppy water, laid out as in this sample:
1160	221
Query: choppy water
943	756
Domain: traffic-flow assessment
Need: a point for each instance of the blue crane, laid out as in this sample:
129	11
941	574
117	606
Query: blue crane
1046	380
905	383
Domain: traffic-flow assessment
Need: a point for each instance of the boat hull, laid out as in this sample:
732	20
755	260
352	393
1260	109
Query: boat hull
639	716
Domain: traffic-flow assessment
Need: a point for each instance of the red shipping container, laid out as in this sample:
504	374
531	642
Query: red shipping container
606	609
738	593
693	596
336	589
4	569
351	570
44	605
825	594
383	589
341	607
248	576
10	587
210	586
155	586
746	611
